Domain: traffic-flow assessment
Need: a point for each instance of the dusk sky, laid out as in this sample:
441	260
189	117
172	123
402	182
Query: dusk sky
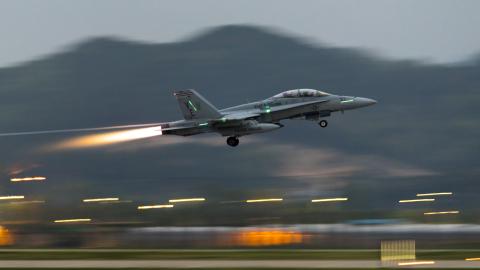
430	30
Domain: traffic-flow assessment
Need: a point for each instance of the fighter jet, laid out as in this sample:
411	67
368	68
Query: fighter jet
200	116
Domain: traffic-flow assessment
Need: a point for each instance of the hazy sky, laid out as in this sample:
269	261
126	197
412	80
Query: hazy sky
433	30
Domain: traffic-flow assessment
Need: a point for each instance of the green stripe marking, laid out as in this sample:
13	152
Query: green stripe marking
193	106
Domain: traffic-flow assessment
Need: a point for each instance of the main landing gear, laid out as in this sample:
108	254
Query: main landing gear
323	123
233	141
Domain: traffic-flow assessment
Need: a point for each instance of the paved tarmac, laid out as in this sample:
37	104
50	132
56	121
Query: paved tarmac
360	264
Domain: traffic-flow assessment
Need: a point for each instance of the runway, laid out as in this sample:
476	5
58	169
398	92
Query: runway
360	264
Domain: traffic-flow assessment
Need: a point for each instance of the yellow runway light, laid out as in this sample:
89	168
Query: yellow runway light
101	200
268	238
472	259
27	202
72	220
434	194
416	200
12	197
6	237
265	200
25	179
441	213
415	263
186	200
144	207
330	200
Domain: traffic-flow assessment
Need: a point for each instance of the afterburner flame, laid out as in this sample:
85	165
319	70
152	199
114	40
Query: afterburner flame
108	138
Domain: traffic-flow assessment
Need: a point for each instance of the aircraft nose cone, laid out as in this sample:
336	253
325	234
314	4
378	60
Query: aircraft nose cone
363	102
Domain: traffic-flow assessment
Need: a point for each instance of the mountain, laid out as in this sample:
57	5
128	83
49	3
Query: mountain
421	136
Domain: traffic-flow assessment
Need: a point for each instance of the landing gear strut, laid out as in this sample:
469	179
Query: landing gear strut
323	123
233	141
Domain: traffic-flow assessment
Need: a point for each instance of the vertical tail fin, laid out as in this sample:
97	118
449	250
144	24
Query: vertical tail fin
194	106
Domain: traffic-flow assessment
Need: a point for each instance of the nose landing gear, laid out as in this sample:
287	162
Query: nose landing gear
233	141
323	123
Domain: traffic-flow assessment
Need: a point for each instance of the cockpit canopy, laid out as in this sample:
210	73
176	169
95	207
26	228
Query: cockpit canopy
298	93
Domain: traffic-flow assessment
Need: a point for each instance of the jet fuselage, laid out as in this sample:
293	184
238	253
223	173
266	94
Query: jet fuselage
260	116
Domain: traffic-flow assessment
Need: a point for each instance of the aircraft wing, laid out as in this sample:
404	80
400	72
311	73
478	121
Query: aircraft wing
240	115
